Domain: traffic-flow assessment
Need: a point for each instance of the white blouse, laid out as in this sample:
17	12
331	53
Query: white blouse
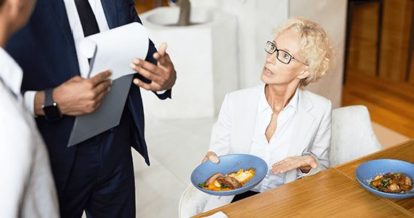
277	148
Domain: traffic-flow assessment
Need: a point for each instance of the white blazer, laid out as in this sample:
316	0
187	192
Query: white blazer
234	129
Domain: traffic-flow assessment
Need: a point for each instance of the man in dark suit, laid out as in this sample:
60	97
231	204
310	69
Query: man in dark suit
96	175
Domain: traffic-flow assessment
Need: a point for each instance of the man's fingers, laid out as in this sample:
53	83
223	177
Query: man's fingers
161	50
148	86
100	77
99	97
76	78
161	55
162	74
103	87
164	61
147	74
138	63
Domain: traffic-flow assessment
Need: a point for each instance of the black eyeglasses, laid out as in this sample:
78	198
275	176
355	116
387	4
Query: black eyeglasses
282	55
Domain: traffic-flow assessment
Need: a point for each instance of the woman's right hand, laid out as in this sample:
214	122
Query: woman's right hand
211	156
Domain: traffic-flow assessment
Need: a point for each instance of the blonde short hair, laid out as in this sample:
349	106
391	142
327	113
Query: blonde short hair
315	46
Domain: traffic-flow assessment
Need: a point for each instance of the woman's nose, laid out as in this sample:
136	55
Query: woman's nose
271	58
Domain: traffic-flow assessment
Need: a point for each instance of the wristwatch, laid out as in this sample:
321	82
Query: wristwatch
50	107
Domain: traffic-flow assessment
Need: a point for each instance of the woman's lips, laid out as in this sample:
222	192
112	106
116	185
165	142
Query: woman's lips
267	71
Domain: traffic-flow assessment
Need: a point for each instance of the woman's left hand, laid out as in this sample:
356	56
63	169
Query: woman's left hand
291	163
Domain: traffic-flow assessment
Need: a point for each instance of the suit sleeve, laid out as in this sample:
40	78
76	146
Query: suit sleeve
221	132
151	50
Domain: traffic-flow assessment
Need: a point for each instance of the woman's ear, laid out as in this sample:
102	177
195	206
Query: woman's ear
304	74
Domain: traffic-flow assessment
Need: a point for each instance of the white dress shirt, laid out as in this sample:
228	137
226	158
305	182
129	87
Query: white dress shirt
26	185
77	32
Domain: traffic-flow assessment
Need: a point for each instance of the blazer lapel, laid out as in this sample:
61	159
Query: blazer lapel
250	117
58	11
247	120
111	12
61	18
304	122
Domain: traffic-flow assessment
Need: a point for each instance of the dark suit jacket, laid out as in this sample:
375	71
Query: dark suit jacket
45	50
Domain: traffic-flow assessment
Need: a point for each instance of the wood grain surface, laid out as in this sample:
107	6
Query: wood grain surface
331	193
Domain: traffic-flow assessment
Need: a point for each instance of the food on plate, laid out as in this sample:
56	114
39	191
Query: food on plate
230	181
392	183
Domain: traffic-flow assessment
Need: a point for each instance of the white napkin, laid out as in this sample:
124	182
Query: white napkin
219	214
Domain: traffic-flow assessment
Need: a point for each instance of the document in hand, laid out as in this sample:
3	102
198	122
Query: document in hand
111	50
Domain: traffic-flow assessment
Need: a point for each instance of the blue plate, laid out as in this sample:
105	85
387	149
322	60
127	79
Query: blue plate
368	170
228	164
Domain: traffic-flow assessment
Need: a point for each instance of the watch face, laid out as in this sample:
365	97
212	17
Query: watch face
52	112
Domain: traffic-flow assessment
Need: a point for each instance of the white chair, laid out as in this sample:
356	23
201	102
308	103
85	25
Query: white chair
352	134
194	201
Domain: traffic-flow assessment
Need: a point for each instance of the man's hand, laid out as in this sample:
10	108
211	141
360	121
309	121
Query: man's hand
79	96
162	75
291	163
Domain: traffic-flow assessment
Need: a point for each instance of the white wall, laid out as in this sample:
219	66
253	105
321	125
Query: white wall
331	15
205	56
256	22
258	18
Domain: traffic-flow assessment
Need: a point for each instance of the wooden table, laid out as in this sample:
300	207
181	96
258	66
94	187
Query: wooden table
331	193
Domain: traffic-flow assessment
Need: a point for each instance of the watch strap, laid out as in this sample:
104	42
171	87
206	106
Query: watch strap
48	97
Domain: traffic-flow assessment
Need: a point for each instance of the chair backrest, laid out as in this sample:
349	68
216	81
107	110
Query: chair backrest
352	134
193	202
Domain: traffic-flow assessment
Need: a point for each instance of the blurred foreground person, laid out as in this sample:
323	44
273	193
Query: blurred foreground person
26	185
96	175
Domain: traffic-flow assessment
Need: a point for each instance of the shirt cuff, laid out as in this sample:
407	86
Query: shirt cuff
161	92
29	97
312	171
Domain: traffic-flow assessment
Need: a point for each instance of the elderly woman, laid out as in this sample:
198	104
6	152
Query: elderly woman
286	126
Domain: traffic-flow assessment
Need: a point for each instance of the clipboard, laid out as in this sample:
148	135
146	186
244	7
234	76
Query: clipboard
131	41
107	116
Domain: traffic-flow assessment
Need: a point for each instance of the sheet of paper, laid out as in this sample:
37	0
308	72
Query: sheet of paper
218	214
115	49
